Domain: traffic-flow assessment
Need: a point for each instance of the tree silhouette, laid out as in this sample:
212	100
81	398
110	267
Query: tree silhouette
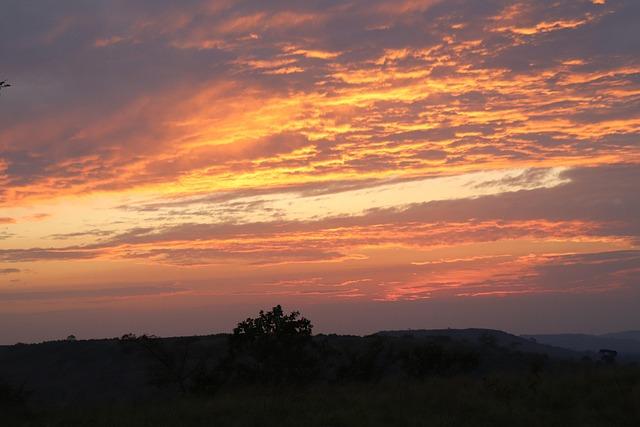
4	84
273	347
273	324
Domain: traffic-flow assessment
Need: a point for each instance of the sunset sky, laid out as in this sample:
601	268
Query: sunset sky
171	167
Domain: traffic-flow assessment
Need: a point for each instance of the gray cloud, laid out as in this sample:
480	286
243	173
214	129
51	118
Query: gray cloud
602	198
131	290
76	65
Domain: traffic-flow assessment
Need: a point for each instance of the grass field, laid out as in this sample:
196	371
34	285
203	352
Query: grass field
596	396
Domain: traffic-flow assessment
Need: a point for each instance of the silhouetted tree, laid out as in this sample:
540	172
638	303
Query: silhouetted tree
4	84
273	324
273	347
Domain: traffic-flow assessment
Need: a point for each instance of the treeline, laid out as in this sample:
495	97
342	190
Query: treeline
277	348
274	371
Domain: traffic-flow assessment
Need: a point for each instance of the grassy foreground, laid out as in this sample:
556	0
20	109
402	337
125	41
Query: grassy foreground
605	396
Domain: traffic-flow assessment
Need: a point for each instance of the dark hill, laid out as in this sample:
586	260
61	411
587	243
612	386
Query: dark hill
103	370
626	348
487	336
113	370
625	335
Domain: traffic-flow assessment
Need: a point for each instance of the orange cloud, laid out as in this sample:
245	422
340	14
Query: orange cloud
364	150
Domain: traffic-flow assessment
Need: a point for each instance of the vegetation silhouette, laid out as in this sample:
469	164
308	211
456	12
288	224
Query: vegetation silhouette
11	395
13	401
272	348
3	85
431	359
607	356
170	363
272	368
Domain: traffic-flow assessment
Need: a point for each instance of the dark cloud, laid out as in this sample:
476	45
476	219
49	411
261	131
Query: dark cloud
574	274
597	202
603	194
77	234
227	154
77	65
599	272
38	254
225	104
608	33
246	253
529	178
577	274
130	290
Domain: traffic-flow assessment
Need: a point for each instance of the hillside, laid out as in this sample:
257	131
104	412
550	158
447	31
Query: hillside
467	377
625	335
626	348
117	370
502	339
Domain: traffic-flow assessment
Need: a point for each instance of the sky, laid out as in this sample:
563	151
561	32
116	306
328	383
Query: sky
171	167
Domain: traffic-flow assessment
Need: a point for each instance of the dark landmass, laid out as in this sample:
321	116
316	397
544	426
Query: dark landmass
627	344
625	335
502	339
277	375
114	370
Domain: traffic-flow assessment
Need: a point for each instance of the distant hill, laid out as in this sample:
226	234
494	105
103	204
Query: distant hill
592	343
502	339
96	370
626	335
112	370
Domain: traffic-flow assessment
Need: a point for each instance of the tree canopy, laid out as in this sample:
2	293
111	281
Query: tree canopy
273	347
273	324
